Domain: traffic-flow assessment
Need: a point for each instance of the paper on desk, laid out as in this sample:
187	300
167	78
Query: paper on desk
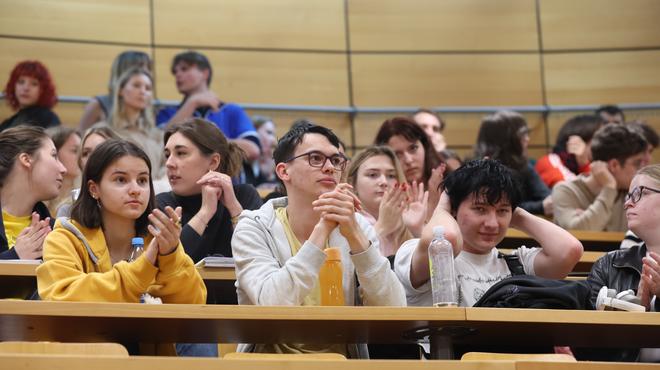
21	262
212	261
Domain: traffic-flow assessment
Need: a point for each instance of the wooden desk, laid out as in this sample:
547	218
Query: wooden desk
117	322
17	277
603	241
564	327
584	365
33	362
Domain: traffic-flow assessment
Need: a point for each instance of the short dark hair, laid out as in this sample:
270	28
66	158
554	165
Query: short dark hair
614	141
406	127
193	58
647	132
85	210
610	109
208	138
288	143
487	177
583	125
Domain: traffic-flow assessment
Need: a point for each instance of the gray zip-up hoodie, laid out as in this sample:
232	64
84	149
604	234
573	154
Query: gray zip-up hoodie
267	273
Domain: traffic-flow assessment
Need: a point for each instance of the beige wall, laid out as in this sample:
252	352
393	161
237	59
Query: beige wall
360	53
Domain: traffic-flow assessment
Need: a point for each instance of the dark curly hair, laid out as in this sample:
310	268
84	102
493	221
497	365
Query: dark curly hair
34	69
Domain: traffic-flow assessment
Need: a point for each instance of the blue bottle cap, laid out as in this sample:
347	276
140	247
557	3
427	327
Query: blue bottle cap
137	241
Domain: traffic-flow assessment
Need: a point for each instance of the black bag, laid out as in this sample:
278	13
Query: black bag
527	291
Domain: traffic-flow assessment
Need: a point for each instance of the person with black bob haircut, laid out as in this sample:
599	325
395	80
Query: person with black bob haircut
480	202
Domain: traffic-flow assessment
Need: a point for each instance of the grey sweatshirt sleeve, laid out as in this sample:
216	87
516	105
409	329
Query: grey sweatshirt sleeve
259	273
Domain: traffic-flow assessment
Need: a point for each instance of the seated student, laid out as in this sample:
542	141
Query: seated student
611	114
638	267
278	249
261	171
67	143
479	204
433	125
651	137
200	164
595	202
132	118
193	73
93	137
395	209
86	256
30	91
30	174
418	158
99	107
571	154
504	136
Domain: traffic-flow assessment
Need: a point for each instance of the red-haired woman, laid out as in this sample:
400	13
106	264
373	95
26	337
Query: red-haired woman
31	92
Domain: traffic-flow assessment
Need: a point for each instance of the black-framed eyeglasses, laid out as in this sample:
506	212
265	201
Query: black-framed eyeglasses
318	159
636	194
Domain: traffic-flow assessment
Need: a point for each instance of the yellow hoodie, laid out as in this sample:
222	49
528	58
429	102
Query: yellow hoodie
77	267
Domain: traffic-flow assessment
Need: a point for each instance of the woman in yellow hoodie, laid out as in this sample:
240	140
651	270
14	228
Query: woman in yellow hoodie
86	256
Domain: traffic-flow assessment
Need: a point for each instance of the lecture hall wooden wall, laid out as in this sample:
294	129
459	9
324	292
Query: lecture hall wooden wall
361	53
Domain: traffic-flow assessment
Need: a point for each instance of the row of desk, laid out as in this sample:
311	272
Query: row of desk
53	362
126	322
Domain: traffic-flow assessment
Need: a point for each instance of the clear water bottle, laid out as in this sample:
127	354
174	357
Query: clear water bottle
138	248
441	264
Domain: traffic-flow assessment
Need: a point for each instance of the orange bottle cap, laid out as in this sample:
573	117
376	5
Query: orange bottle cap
333	253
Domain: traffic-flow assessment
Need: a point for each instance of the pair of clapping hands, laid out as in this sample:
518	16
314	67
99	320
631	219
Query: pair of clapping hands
166	230
649	284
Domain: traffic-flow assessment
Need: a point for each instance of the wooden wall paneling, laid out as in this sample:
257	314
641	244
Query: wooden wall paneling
600	24
443	25
602	77
78	69
122	21
450	80
293	24
287	78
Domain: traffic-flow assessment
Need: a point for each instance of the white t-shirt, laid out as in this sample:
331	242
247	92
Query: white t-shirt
475	273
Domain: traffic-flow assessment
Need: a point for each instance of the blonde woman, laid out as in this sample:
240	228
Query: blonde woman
133	119
396	209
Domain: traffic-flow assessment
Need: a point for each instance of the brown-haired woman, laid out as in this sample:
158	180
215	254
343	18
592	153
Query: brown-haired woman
419	160
200	164
30	174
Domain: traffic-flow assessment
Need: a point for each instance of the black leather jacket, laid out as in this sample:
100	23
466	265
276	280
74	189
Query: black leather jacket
619	270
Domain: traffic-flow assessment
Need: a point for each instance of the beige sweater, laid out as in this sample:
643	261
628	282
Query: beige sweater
576	207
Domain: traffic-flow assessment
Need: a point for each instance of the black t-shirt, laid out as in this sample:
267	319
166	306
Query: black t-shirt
33	116
216	239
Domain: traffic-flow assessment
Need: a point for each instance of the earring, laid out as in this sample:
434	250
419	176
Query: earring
98	202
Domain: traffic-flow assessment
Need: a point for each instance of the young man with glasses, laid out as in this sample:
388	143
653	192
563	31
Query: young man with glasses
278	249
595	201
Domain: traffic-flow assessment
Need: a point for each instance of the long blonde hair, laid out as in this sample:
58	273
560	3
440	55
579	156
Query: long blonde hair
370	152
117	120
